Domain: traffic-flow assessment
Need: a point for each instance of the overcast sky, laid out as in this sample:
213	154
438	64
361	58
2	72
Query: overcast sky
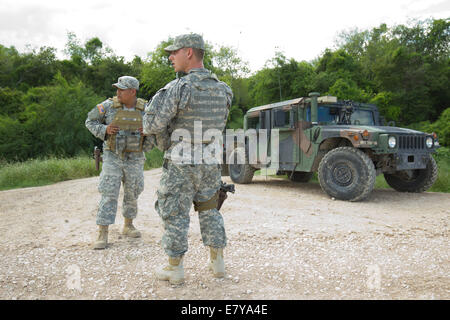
300	29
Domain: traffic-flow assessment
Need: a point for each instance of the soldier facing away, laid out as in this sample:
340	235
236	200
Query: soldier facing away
197	96
118	122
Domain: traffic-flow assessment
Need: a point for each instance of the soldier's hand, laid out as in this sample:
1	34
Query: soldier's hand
111	129
141	131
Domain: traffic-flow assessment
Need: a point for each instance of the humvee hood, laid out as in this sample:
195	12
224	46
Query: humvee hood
379	129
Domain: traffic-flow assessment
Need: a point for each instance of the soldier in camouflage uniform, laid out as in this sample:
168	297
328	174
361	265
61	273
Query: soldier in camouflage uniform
200	96
118	122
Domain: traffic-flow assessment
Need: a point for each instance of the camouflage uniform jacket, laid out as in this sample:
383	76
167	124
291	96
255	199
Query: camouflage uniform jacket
171	103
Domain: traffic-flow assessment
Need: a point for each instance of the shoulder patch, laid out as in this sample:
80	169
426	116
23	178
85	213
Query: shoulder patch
101	109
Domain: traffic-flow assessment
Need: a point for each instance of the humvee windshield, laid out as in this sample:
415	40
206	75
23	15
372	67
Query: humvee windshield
327	114
330	115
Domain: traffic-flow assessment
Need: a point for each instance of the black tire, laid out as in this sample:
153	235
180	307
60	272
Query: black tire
240	173
418	180
347	173
299	176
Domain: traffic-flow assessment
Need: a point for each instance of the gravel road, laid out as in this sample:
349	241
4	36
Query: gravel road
285	241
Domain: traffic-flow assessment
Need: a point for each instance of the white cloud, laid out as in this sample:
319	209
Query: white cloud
302	29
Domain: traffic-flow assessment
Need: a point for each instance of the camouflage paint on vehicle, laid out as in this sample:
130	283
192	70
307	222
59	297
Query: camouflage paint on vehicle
301	142
310	127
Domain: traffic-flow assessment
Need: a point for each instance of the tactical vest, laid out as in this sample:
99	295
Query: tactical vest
208	104
128	139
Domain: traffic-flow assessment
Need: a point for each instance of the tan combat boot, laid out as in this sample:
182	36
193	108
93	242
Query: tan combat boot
129	230
217	265
174	271
102	240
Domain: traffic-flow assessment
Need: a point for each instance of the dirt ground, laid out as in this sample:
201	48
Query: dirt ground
285	241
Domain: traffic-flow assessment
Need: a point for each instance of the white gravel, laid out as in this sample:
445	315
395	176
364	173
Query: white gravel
285	241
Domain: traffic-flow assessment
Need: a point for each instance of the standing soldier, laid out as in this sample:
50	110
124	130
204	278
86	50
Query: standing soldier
197	96
118	122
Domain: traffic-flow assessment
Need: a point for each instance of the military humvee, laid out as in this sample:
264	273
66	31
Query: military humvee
345	142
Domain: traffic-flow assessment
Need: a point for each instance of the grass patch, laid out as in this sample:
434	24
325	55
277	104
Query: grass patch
442	183
41	172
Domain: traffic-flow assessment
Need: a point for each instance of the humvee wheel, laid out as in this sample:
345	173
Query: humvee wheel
240	173
347	173
417	180
300	176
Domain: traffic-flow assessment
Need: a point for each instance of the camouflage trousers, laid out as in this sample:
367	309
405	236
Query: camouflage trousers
130	171
180	185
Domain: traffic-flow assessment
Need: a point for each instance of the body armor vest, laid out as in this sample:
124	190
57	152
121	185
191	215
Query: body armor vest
128	139
208	104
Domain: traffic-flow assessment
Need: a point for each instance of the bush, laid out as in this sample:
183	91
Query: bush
442	183
38	172
55	118
11	102
15	142
441	127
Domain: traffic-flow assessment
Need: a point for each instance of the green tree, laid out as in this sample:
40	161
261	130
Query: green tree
11	102
227	65
157	71
281	79
347	89
25	70
442	128
96	66
303	82
385	102
15	141
405	64
93	50
55	116
8	58
105	72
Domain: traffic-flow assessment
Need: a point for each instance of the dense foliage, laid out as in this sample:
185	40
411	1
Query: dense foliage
403	69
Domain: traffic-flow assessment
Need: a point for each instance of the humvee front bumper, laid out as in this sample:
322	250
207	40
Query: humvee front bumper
410	160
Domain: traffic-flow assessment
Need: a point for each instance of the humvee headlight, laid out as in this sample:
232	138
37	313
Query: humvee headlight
365	134
392	142
429	142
